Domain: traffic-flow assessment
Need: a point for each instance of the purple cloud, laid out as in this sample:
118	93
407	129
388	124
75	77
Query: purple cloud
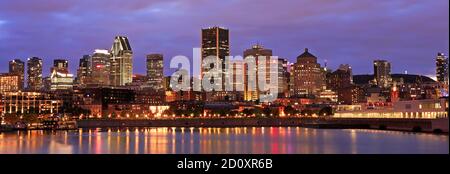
408	33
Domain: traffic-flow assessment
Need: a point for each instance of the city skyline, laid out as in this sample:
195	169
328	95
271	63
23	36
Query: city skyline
350	34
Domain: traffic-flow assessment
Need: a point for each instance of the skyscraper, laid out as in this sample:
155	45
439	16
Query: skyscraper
17	67
34	71
283	78
257	51
442	68
101	68
84	70
309	76
382	73
121	62
215	42
155	74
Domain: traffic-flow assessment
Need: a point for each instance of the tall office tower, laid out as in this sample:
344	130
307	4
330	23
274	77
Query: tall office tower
101	68
309	76
283	78
257	51
155	74
215	42
60	77
121	62
34	71
442	68
382	73
17	67
84	70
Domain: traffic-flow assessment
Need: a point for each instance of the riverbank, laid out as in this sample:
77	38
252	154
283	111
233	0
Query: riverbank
415	125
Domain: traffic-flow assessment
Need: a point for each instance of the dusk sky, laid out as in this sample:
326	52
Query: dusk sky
408	33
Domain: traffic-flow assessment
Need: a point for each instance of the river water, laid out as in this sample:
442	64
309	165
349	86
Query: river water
260	140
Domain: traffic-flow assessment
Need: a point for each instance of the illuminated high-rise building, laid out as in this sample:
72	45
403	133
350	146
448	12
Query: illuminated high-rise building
155	72
84	70
309	76
382	73
121	62
101	68
215	42
257	51
17	67
442	68
283	78
34	72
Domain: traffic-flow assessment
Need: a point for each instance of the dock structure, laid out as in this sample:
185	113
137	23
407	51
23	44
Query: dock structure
415	125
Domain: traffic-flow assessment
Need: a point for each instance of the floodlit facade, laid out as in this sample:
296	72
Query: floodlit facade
29	102
412	109
308	75
17	67
9	82
257	52
61	81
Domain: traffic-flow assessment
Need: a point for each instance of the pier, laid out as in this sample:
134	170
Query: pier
414	125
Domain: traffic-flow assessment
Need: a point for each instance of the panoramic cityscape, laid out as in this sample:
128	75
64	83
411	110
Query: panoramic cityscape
221	99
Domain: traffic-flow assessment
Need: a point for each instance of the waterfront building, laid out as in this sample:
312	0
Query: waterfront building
155	71
34	72
121	62
382	73
100	74
9	82
103	96
411	109
17	67
29	102
84	70
308	75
